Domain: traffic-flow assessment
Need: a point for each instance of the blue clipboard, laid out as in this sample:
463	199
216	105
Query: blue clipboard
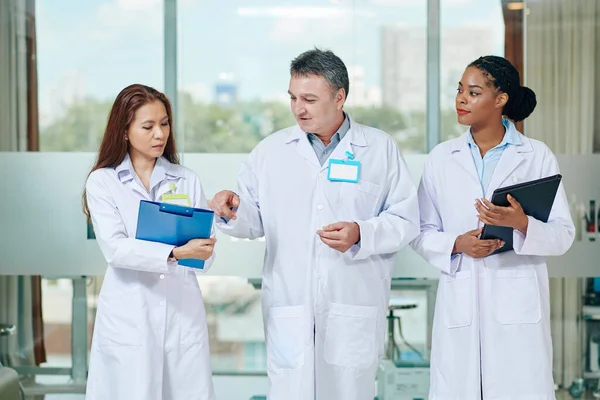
175	225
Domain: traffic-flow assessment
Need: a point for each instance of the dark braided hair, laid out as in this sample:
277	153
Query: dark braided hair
502	75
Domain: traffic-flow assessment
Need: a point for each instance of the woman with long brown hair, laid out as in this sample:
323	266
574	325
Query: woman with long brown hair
150	338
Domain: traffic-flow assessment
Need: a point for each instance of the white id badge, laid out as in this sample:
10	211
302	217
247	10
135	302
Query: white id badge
343	171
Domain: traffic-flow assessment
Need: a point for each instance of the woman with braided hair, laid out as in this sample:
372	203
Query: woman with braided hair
491	331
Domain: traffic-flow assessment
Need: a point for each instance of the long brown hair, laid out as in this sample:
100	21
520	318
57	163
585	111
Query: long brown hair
114	147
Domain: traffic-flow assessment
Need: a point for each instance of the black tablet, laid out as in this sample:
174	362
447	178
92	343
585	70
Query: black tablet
536	197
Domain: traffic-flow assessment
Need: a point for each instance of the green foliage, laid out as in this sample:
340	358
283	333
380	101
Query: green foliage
210	128
80	128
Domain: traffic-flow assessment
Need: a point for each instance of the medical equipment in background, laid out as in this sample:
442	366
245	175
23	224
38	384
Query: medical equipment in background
591	312
397	378
590	339
592	292
10	385
591	222
594	355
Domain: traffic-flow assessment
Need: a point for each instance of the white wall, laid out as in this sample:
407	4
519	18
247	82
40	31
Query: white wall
43	230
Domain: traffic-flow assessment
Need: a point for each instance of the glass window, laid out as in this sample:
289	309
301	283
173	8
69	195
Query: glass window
234	318
469	29
87	51
235	57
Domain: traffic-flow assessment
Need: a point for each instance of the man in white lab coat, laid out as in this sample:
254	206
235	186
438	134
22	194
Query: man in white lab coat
335	202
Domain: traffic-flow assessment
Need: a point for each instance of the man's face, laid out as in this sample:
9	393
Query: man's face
316	106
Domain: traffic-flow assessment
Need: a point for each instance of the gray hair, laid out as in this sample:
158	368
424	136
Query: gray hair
322	63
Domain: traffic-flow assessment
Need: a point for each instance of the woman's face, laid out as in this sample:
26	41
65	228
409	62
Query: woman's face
478	102
149	131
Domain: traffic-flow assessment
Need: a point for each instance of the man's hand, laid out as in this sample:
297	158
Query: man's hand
470	244
340	236
224	202
512	216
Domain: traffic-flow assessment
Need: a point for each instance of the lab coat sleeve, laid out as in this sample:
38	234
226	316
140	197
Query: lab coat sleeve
119	250
201	202
248	223
398	222
554	237
433	244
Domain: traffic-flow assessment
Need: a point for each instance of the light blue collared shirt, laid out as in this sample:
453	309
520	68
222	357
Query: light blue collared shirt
487	164
323	151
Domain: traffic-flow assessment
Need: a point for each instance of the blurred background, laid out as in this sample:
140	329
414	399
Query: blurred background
225	66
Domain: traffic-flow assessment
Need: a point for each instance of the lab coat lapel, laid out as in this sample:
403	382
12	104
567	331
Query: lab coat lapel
461	154
509	161
303	147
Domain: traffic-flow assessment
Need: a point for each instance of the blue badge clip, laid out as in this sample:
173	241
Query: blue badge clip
350	155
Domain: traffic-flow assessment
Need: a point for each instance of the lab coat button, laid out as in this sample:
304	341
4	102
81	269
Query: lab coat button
162	276
320	206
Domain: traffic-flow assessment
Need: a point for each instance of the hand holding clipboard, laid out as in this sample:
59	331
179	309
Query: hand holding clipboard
178	226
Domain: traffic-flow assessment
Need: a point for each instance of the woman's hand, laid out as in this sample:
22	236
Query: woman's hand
512	216
469	243
201	249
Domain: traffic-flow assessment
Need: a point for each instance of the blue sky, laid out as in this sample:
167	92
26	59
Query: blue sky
96	47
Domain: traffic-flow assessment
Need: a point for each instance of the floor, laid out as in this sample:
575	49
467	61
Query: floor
64	361
563	395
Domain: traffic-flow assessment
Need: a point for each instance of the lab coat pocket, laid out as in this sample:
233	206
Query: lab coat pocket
369	187
517	296
350	336
118	319
285	337
458	299
359	200
193	316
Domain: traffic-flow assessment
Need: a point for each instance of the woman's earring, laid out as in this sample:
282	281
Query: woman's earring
126	138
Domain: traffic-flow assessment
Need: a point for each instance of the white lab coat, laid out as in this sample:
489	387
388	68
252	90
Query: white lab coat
324	311
150	339
491	330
